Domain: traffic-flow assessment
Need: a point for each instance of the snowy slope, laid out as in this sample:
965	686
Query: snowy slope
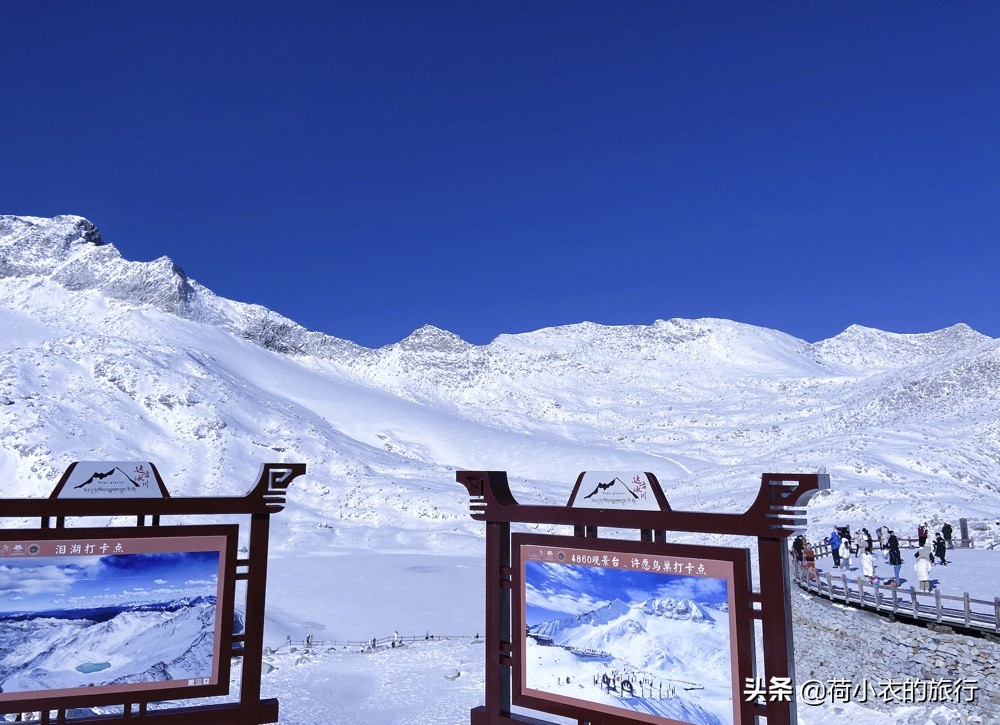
101	357
105	357
656	633
674	653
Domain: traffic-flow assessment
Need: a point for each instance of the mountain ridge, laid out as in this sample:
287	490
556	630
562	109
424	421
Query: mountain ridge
135	360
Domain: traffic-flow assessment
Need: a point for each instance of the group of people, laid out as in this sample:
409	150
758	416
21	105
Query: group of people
843	548
942	538
633	684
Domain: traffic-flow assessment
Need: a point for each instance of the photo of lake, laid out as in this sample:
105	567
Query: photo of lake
96	621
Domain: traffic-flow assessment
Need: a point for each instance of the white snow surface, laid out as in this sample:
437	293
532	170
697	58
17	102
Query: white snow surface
104	358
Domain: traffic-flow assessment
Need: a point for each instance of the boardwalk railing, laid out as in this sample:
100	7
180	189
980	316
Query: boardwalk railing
906	542
823	549
980	615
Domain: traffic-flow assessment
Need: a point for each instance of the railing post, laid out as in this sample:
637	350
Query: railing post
913	601
895	599
996	613
843	579
968	610
878	596
937	602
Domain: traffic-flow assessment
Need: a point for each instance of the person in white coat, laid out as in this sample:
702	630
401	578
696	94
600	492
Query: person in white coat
868	566
845	554
922	567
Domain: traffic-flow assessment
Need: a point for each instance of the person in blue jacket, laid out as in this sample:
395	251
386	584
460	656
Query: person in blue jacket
835	548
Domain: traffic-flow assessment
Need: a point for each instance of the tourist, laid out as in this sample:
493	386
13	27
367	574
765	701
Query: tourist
810	558
924	552
922	566
797	547
868	566
834	541
921	534
940	548
868	540
946	531
845	554
895	558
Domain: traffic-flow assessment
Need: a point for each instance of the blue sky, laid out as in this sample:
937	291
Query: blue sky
368	167
554	591
80	582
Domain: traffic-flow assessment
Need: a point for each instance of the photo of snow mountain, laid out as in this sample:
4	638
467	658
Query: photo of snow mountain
649	636
118	620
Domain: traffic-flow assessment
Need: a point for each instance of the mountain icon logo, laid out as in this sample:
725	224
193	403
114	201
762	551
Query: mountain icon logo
609	487
98	477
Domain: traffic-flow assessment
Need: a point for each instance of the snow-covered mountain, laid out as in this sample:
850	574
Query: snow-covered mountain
657	642
658	633
105	358
134	643
101	357
554	629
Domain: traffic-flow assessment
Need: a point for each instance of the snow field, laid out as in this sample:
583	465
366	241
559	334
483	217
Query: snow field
395	686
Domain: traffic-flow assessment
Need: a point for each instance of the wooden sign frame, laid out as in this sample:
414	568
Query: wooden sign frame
266	498
776	513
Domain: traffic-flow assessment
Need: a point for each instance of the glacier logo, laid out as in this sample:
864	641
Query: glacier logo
604	488
100	477
608	489
110	479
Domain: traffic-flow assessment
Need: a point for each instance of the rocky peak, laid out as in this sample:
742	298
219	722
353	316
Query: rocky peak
433	339
865	347
70	250
33	245
674	609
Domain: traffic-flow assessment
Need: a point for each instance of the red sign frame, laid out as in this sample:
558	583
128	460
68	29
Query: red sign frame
266	498
776	512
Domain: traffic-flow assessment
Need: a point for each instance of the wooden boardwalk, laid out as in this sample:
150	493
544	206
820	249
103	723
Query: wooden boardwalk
973	615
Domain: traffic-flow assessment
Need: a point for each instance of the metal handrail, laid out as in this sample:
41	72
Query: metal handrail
380	642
